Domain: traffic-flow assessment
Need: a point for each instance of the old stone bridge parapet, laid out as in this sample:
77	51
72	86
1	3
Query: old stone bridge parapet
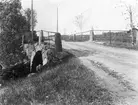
43	45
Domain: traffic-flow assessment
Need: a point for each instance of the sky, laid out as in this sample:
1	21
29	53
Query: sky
99	14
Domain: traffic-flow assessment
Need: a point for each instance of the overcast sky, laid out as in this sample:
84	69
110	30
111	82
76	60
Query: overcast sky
101	14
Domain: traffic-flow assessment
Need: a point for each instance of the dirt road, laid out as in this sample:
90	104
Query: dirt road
116	69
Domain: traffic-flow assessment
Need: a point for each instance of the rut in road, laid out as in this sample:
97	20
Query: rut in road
116	69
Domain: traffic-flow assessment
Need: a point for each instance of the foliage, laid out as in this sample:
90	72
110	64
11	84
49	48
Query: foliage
13	24
78	21
28	18
130	12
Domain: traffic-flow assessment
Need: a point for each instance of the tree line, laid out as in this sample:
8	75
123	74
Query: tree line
14	22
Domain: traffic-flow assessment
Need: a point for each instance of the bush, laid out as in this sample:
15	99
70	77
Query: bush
16	71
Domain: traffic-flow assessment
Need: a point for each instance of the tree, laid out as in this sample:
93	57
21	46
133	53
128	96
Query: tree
13	24
130	14
130	11
79	22
28	18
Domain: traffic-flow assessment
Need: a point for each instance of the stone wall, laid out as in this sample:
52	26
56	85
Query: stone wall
30	51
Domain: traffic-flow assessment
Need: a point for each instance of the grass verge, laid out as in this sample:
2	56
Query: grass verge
70	83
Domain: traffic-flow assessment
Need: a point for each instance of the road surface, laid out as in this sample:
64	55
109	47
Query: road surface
115	68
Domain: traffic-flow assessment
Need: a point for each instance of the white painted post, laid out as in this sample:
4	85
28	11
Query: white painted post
135	35
91	35
40	37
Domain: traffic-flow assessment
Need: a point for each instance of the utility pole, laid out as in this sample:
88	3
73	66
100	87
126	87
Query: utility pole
131	22
32	29
57	19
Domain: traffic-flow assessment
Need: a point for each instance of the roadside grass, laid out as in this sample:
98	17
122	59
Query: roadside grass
82	53
70	83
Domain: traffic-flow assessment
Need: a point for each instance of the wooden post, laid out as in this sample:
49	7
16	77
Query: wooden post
40	37
91	35
135	36
74	37
49	39
132	36
110	37
136	32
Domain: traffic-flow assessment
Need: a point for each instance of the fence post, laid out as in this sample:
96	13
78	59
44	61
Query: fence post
132	33
123	39
58	42
135	35
40	37
49	39
110	36
91	35
74	37
81	35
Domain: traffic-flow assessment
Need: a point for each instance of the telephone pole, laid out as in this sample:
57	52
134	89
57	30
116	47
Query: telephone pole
32	29
57	19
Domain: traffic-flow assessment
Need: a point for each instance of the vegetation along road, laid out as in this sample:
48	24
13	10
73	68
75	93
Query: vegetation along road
116	69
